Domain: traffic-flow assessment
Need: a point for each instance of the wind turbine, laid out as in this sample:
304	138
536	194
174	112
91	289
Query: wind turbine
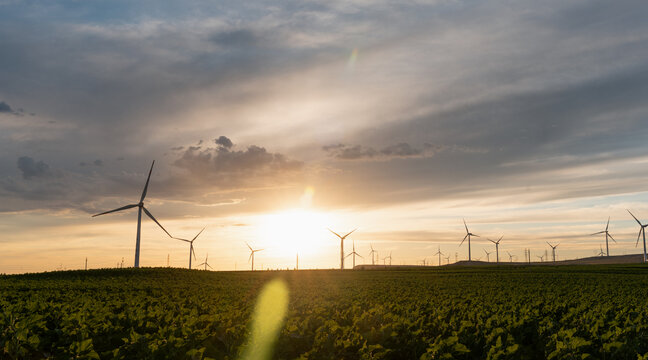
496	247
601	253
372	253
642	231
354	253
252	251
447	260
468	235
191	247
389	257
487	255
297	263
439	253
541	258
342	246
510	256
553	251
141	207
205	263
607	235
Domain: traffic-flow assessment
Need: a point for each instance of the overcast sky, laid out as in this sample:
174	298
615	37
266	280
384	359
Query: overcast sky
527	118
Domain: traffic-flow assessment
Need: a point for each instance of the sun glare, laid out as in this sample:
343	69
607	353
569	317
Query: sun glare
293	231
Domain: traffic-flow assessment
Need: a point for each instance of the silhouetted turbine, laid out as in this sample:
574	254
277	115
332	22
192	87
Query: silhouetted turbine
468	235
642	231
252	251
342	245
553	250
496	247
191	247
141	207
607	235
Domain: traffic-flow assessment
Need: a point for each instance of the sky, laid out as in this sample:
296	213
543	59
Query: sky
270	122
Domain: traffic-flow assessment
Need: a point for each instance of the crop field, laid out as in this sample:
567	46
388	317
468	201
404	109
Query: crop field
598	312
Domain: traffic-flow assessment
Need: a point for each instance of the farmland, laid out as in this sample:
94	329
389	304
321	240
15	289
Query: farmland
511	312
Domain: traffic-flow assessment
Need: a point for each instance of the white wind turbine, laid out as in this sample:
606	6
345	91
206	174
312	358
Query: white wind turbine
553	250
191	247
342	245
372	253
487	255
601	252
205	263
468	235
252	251
642	231
141	207
496	247
607	235
354	253
439	253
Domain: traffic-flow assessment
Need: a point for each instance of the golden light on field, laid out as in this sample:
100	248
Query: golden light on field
298	230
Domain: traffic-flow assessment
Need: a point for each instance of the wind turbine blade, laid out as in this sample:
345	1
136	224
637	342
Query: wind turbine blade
250	247
608	224
349	254
637	220
360	256
466	226
259	250
549	244
492	241
500	239
464	239
371	246
193	251
475	235
210	266
147	182
153	218
610	236
336	234
185	240
118	209
198	234
638	236
596	233
250	258
344	237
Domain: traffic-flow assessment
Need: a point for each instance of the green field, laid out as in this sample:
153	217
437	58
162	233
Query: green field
465	313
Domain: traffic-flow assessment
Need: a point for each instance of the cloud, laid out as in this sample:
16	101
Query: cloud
223	167
6	109
400	150
224	141
238	38
33	169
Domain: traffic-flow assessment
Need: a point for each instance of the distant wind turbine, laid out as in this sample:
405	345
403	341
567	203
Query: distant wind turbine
553	250
205	263
389	257
607	235
372	253
496	247
487	255
342	245
354	253
447	260
541	258
439	253
642	231
141	207
191	247
601	253
510	256
252	251
468	235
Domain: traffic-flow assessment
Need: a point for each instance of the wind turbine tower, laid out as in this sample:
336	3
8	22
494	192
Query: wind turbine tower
141	208
342	245
553	251
191	247
252	251
496	247
468	235
205	263
86	264
354	253
372	253
608	235
439	253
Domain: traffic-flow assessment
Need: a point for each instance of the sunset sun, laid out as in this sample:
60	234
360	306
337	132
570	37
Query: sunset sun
287	232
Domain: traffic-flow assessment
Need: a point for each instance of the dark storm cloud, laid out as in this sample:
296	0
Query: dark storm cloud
31	168
6	109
